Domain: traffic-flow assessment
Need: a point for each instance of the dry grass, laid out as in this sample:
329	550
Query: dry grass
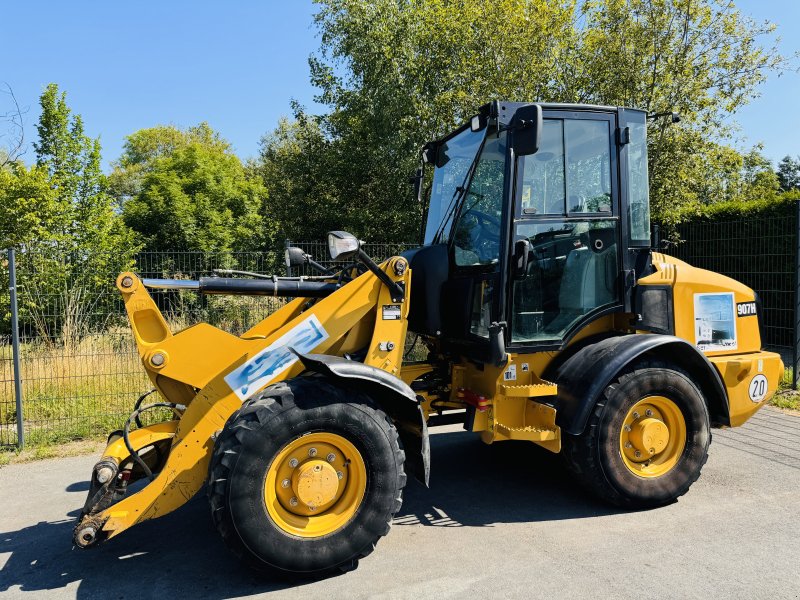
76	448
82	389
75	393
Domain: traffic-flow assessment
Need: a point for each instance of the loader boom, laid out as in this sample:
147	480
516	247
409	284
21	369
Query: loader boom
211	372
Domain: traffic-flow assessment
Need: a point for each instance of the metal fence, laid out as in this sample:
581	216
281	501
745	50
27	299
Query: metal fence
77	372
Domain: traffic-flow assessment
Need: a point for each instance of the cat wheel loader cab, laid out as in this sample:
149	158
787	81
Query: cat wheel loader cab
546	317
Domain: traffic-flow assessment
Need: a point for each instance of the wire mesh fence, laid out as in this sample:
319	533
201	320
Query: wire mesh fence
760	253
79	367
80	372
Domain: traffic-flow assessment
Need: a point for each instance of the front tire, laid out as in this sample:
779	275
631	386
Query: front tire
646	440
305	478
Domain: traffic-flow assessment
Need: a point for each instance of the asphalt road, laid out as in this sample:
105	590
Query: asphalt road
501	522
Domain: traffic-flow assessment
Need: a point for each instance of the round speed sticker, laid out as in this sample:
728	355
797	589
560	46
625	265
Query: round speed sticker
758	388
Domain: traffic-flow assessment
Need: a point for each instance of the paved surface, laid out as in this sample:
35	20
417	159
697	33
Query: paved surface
501	521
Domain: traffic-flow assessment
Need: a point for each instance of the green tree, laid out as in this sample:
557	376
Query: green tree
87	221
142	148
396	74
58	214
30	210
300	166
187	190
789	173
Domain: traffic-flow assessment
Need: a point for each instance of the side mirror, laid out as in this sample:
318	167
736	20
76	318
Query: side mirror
342	245
527	125
522	250
295	257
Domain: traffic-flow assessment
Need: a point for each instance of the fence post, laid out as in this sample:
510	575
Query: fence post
287	243
12	288
796	332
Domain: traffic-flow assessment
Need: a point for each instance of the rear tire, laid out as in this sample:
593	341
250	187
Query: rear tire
625	470
251	508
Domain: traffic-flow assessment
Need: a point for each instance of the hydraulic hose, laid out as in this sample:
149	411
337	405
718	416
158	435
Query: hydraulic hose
135	416
139	403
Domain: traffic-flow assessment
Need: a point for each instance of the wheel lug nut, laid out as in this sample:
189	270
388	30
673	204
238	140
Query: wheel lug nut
339	474
331	457
648	413
312	451
628	445
293	501
637	454
293	463
627	427
636	415
286	483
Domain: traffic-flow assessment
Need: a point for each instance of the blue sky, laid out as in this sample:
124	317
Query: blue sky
126	66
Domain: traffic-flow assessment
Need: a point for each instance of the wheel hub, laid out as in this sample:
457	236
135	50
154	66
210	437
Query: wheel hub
315	483
653	436
649	435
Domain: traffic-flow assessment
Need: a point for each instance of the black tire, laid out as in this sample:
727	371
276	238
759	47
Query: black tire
245	449
595	458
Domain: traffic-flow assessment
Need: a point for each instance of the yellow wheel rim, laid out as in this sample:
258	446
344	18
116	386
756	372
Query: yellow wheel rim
315	484
653	436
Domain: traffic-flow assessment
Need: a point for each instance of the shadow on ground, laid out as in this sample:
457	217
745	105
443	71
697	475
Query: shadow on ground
471	485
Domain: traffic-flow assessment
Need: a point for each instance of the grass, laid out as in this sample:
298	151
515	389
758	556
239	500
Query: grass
74	448
786	400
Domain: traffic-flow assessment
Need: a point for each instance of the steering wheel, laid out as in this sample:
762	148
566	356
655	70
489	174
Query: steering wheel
486	236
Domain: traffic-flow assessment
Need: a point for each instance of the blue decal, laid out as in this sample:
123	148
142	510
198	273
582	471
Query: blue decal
276	358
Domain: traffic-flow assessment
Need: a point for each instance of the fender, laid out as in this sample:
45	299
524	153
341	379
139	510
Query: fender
394	396
582	377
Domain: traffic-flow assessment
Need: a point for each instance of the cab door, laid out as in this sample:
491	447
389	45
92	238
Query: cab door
567	202
472	295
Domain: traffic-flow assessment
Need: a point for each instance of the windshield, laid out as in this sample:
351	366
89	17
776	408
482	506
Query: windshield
453	161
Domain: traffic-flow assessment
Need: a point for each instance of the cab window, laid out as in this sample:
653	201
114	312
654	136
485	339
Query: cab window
571	172
572	270
476	237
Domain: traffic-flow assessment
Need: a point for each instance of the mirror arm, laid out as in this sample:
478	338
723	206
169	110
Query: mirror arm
321	268
497	343
396	289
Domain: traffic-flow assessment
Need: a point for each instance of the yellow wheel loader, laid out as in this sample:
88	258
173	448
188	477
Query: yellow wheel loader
546	317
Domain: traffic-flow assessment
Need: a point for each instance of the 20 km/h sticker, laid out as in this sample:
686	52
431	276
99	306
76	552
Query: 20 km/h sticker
758	388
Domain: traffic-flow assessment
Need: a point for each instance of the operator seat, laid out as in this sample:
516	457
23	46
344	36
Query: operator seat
587	282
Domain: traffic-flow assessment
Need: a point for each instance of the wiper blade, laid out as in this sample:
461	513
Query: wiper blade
459	192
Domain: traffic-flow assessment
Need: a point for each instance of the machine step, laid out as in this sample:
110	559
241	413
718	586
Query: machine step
531	434
535	390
